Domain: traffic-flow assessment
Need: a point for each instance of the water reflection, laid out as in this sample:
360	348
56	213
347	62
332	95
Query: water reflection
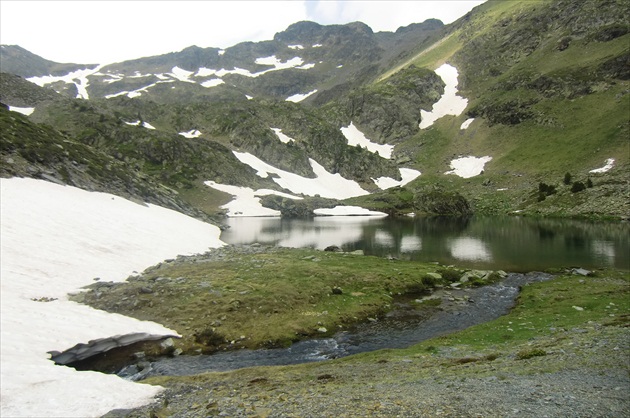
510	243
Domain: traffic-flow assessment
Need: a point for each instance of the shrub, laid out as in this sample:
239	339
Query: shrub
578	186
589	183
567	178
535	352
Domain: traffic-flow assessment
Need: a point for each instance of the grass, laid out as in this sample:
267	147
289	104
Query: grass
544	333
265	299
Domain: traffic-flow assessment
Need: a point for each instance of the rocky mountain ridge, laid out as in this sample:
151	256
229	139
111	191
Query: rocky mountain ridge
178	119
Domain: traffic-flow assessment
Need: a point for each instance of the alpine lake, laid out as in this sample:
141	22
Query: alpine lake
510	243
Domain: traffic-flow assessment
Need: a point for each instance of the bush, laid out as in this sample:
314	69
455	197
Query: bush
578	186
535	352
567	178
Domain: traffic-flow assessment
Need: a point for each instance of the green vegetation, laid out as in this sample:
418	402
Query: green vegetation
568	324
266	297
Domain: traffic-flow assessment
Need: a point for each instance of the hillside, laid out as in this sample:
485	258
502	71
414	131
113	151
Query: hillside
307	95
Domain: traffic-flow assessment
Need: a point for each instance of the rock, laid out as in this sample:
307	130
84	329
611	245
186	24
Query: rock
337	290
146	290
333	248
358	252
433	275
581	272
322	330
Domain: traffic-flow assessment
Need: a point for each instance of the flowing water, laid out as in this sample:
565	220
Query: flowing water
403	326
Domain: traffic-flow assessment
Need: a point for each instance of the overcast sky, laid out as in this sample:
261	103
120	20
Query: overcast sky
102	32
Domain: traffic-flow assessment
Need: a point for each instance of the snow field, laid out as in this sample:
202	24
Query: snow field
56	239
450	103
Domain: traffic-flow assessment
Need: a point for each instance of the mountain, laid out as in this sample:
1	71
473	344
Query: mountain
496	110
17	60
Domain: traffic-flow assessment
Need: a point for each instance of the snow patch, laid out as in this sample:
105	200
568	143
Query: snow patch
138	123
27	111
407	175
193	133
181	74
610	162
450	103
347	211
467	167
466	123
78	78
212	83
296	98
296	46
55	240
246	201
356	137
283	138
325	184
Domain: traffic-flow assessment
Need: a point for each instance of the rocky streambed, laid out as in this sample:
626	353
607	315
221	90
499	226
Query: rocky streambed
454	309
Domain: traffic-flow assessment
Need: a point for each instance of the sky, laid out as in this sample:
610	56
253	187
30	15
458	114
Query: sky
103	32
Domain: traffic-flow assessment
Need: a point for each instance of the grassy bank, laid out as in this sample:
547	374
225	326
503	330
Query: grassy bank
264	297
564	337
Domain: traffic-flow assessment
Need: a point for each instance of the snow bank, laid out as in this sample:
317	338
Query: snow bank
193	133
56	239
466	123
296	98
27	111
609	164
347	211
325	184
246	201
450	103
356	137
467	167
78	78
407	175
282	137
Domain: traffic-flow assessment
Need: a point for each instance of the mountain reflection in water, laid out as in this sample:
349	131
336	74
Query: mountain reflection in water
508	243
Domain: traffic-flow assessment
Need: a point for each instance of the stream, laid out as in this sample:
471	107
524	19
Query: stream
402	327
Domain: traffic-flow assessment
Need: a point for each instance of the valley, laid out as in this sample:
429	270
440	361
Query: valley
119	178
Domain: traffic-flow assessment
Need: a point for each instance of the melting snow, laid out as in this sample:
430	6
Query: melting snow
296	47
467	167
299	97
193	133
27	111
212	83
356	137
407	175
181	74
283	138
144	124
609	164
348	211
450	103
466	123
78	78
325	184
56	239
246	201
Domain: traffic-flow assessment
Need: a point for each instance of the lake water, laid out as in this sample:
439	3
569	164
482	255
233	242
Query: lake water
508	243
